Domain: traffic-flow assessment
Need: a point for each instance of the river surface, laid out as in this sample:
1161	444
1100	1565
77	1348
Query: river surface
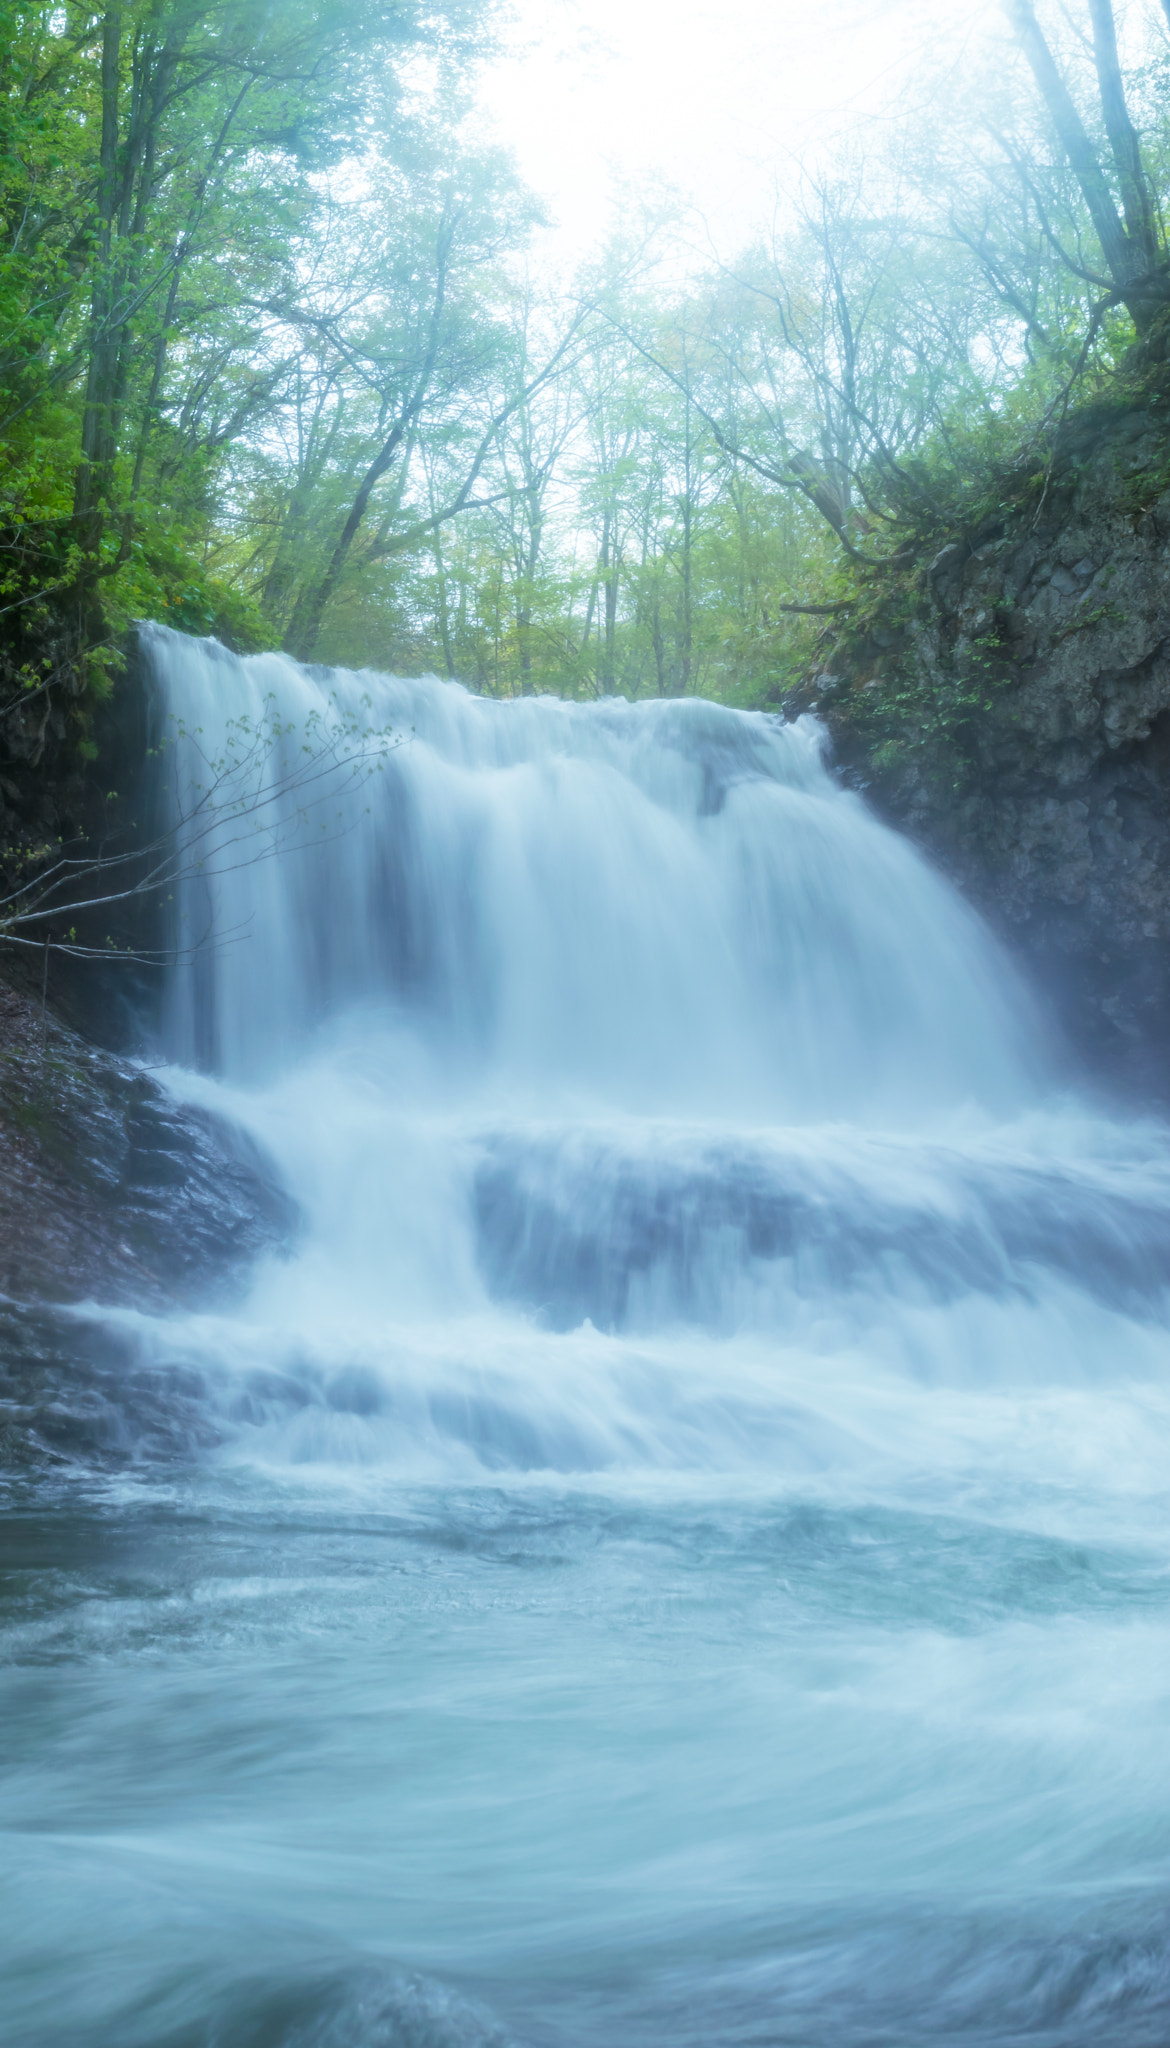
684	1560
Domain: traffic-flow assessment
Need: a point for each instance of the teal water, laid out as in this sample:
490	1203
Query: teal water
684	1553
295	1762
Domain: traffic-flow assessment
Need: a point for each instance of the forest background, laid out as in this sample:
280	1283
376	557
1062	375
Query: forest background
278	362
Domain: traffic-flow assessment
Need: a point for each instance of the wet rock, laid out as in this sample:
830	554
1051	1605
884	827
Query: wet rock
76	1388
112	1194
1023	736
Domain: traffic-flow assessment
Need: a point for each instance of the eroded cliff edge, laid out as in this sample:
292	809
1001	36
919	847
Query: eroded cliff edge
1004	696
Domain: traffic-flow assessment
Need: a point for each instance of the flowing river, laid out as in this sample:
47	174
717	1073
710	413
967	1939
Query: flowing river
685	1561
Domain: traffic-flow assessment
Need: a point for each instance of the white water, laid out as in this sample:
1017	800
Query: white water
687	1560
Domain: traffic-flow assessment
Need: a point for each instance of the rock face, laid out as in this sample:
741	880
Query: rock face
110	1194
1035	659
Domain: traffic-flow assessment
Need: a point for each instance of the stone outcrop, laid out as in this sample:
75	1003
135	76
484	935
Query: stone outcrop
1012	712
110	1193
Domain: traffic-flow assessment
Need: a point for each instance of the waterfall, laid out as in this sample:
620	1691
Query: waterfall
662	906
613	1018
580	1027
684	1554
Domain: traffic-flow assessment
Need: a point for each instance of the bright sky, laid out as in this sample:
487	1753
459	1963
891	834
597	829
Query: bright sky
714	98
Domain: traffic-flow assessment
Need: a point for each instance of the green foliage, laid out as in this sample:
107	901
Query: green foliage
271	368
137	146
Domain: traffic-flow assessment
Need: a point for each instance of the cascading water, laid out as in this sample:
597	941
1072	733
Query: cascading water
687	1560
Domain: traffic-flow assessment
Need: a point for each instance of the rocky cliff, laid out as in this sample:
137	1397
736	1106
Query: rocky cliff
1007	701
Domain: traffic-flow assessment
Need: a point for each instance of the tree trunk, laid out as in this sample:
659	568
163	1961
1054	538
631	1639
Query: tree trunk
308	617
443	607
91	485
1123	141
609	585
1127	261
658	646
302	636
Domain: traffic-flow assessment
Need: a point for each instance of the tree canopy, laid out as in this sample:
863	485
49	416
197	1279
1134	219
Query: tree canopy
276	360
